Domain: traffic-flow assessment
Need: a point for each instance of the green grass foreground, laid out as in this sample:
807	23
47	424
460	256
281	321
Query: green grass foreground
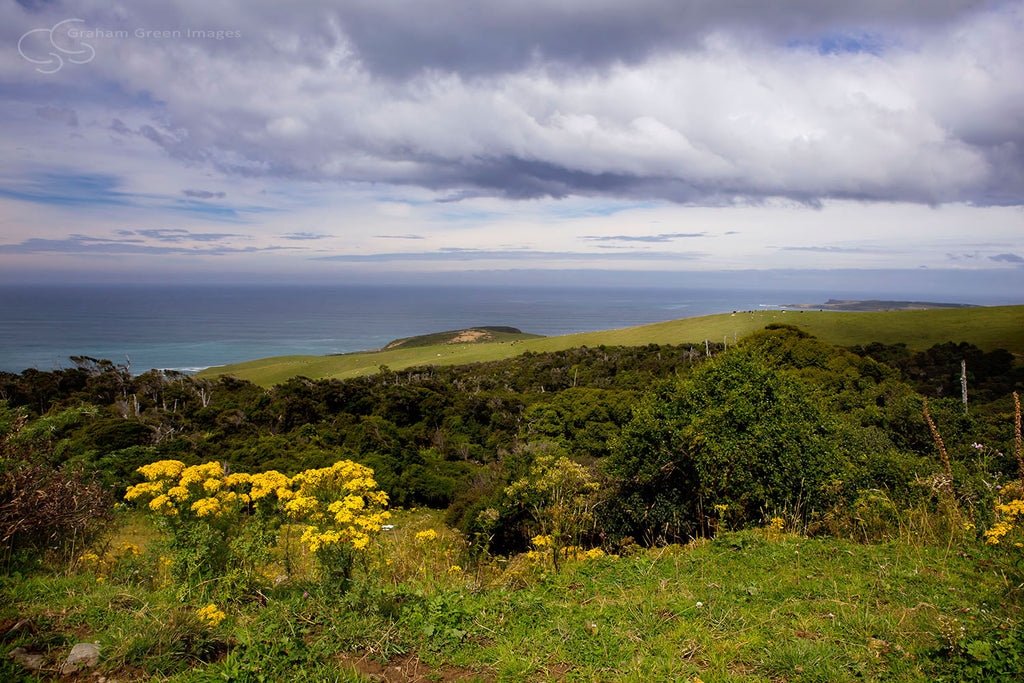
746	606
987	327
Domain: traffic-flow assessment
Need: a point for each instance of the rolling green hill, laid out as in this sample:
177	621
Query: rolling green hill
471	335
987	327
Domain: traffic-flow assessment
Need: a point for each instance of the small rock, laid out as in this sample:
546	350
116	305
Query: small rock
83	655
21	656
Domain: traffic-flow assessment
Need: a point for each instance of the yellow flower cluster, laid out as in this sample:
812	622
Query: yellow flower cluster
578	553
316	539
210	615
206	507
128	550
205	491
1010	512
426	536
108	563
340	504
89	560
303	506
572	552
198	474
541	541
775	527
265	484
164	469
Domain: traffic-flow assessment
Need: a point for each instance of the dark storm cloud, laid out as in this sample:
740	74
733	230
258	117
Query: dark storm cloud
710	102
518	178
513	177
471	37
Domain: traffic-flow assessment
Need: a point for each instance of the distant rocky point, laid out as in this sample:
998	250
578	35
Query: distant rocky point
875	305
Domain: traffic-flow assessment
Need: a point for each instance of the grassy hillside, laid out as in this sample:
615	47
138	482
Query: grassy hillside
986	327
471	335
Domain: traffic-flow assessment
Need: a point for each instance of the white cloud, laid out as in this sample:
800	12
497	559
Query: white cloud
308	126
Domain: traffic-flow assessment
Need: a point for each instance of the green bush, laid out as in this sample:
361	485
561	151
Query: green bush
737	433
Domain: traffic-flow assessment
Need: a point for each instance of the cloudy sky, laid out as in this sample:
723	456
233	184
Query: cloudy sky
360	138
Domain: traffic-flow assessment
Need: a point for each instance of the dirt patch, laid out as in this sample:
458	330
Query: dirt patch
409	668
559	670
469	337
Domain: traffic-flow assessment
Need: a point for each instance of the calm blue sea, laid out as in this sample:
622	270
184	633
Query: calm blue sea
189	328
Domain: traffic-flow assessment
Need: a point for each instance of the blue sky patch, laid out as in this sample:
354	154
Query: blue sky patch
836	43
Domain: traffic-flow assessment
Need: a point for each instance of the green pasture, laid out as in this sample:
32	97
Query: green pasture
987	327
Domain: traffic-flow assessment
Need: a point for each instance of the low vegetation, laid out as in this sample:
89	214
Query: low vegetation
782	509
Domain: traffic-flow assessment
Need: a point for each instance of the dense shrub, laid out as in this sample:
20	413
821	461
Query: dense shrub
43	509
737	436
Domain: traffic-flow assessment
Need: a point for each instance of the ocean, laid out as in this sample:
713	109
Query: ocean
187	328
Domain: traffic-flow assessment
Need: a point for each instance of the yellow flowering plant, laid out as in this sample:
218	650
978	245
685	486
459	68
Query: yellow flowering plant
425	536
217	521
1007	533
220	521
542	545
210	615
559	494
123	563
775	528
342	510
